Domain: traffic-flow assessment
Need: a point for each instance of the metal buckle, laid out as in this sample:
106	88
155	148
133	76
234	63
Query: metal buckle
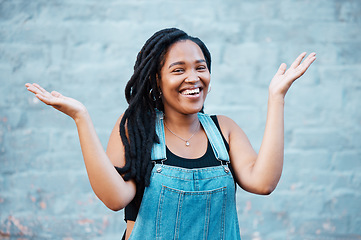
159	168
225	167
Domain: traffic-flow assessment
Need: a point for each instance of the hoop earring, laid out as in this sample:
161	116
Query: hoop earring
151	96
210	87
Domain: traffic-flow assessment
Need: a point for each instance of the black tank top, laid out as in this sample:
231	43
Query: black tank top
207	160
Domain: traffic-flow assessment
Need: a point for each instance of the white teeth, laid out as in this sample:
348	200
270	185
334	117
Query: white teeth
190	91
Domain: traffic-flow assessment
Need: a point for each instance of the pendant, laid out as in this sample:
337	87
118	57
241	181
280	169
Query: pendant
187	143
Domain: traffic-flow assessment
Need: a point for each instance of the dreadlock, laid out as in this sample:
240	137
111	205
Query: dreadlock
137	127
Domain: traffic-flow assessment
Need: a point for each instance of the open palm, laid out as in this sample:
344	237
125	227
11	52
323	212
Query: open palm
67	105
283	79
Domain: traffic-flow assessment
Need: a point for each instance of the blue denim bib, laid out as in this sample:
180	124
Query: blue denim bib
188	204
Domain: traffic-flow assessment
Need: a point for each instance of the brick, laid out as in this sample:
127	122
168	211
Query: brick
348	11
346	181
301	115
305	11
347	160
348	53
31	33
307	160
24	140
250	54
278	32
346	75
18	10
335	32
301	33
246	11
320	228
327	53
244	99
354	228
318	138
356	181
343	202
319	97
75	11
55	160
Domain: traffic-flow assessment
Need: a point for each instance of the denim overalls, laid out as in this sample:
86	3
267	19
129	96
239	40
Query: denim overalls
189	204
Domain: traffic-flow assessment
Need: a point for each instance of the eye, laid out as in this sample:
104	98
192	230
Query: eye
178	70
201	68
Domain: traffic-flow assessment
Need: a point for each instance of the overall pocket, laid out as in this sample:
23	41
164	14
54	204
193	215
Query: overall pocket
191	214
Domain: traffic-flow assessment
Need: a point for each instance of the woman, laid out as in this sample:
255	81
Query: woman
174	164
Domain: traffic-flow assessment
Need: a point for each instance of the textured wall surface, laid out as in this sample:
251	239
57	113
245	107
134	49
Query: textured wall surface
86	49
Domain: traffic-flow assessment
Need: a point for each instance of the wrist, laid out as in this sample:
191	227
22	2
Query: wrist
280	100
81	116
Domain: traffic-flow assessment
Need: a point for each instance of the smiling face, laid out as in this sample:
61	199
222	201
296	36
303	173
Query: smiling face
184	78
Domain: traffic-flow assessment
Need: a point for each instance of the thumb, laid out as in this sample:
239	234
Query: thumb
56	94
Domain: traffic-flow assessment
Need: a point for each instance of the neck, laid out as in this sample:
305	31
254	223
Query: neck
182	122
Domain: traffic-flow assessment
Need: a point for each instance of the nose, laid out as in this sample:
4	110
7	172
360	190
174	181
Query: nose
192	77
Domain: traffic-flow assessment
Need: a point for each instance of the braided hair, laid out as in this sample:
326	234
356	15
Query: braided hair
137	126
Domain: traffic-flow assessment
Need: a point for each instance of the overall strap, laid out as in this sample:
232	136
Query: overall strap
213	135
158	149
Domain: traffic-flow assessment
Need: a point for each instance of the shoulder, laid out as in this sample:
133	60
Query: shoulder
115	147
226	124
222	119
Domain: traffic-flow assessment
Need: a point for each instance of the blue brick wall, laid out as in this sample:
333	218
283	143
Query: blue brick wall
86	49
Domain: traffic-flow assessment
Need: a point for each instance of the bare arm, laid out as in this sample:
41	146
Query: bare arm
261	173
107	184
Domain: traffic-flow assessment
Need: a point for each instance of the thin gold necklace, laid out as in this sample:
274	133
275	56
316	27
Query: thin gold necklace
186	141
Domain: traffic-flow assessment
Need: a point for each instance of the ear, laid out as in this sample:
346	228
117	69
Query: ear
158	80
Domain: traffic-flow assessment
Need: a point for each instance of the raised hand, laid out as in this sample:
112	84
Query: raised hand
283	79
69	106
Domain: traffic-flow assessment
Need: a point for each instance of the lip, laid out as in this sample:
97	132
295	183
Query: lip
182	91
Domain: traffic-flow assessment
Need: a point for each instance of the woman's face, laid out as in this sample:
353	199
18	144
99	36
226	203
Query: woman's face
184	78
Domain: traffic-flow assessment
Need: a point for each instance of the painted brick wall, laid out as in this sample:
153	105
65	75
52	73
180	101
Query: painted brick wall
86	49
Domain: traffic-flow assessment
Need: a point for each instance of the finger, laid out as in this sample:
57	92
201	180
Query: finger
311	58
298	60
32	88
305	65
308	61
40	88
47	99
43	98
35	88
56	94
281	70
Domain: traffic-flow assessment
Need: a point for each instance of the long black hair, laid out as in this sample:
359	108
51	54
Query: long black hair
137	127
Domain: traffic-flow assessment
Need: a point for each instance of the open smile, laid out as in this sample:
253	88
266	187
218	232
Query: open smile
191	92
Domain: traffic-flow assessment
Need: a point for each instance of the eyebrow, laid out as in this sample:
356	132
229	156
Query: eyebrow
182	63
